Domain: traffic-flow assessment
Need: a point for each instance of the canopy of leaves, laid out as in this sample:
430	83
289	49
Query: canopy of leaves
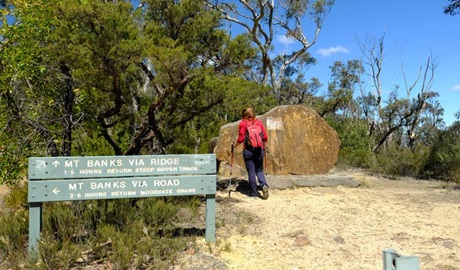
97	77
452	8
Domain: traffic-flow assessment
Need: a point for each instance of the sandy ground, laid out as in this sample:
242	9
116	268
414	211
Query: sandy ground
341	227
337	228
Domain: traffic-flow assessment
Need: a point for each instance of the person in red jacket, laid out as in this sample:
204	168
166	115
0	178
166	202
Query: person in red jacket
253	156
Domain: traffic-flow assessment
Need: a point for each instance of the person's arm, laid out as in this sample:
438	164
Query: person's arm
264	132
241	133
264	135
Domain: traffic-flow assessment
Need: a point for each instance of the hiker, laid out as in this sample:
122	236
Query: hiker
253	136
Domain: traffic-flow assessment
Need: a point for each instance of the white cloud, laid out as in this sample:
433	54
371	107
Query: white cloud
332	50
456	87
286	41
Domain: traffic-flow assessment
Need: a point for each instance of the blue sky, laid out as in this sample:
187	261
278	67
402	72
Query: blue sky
413	29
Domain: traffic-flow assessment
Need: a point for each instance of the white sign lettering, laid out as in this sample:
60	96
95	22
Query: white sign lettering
164	161
108	185
75	186
104	163
156	192
191	168
121	170
186	190
71	163
136	162
166	183
95	194
122	193
140	184
145	169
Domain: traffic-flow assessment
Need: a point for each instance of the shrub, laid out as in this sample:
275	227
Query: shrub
444	159
13	237
125	232
396	160
12	167
354	141
57	254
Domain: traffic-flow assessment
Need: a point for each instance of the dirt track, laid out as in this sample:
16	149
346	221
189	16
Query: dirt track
340	227
336	228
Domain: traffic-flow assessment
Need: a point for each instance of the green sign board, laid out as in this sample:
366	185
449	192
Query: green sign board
112	177
119	166
114	188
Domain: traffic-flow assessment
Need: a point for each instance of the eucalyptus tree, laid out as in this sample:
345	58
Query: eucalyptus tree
341	110
294	88
452	8
146	77
265	20
345	77
397	114
34	92
194	70
141	79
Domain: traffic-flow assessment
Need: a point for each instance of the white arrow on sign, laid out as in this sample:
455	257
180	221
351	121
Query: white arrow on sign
56	191
41	164
56	163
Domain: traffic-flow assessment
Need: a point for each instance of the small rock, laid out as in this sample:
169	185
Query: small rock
301	240
339	239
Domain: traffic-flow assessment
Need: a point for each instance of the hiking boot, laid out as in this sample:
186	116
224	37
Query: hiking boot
265	192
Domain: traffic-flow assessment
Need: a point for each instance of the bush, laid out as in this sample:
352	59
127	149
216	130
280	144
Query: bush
13	237
444	159
56	254
125	232
396	160
354	141
12	167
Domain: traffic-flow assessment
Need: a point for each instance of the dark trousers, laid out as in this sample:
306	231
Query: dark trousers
254	160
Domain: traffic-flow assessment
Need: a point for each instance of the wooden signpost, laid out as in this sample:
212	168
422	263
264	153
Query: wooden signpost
54	179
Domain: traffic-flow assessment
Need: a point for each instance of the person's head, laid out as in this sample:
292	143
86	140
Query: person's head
248	113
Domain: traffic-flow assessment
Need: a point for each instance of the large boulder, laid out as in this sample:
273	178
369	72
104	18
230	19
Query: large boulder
300	142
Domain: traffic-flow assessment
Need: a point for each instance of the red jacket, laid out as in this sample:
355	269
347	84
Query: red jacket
243	127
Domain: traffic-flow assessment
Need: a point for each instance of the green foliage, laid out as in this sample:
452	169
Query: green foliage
34	94
12	167
56	254
396	160
113	230
17	197
101	78
444	158
90	143
13	235
354	141
58	216
122	250
341	89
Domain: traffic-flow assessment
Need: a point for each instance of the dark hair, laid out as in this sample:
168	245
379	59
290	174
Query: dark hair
248	113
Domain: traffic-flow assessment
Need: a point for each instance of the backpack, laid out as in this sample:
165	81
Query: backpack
254	136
